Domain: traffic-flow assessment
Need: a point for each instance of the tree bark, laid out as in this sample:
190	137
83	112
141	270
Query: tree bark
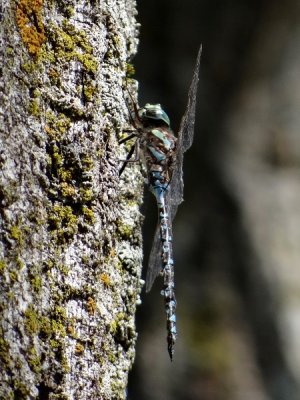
70	250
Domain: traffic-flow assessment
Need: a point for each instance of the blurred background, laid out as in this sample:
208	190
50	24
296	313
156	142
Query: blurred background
237	235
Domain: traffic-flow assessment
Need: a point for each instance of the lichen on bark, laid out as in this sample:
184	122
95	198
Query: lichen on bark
70	250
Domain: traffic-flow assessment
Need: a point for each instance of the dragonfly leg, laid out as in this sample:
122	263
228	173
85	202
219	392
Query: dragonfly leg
134	149
129	136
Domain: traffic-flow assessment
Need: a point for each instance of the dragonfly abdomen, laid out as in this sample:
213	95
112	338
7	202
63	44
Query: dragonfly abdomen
167	263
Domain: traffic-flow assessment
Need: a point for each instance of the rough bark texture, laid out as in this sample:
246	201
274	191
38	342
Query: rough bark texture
70	250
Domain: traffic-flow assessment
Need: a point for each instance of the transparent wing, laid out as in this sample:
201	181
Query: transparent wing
154	263
184	142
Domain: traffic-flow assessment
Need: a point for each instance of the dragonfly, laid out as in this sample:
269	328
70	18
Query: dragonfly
162	153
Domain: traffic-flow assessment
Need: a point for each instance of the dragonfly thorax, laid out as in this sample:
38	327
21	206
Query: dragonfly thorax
158	147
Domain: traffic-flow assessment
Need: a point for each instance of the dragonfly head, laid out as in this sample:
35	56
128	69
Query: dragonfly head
154	113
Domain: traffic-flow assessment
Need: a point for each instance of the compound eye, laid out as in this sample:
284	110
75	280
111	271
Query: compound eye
155	112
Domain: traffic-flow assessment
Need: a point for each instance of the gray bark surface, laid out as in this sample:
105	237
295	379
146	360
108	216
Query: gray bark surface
70	249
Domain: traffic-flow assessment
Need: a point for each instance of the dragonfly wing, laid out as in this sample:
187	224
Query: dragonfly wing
186	130
155	262
155	265
184	142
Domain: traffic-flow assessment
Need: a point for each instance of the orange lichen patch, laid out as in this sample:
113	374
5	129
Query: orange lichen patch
91	305
30	23
79	349
105	279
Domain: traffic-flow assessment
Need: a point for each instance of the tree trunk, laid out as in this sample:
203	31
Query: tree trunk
70	251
